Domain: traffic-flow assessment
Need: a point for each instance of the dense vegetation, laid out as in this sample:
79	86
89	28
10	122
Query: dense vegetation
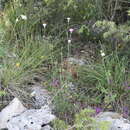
37	37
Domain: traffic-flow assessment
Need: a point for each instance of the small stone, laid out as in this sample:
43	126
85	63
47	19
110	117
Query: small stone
76	61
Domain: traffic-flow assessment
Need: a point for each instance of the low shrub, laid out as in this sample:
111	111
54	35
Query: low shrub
84	120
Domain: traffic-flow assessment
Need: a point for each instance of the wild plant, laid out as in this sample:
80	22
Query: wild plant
106	80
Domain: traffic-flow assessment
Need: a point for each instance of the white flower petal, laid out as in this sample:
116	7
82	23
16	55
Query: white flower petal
17	20
102	54
24	17
44	25
68	19
69	41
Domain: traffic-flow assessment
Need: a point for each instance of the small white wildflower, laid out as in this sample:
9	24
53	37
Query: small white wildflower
69	41
24	17
68	19
17	20
20	5
44	25
102	53
71	30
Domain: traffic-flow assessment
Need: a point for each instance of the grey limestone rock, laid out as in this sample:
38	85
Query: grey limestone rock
33	119
41	96
14	108
115	120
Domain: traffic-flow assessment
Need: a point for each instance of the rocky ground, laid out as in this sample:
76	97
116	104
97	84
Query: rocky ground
17	117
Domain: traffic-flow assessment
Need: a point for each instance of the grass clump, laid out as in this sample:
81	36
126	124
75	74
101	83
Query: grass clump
24	62
108	78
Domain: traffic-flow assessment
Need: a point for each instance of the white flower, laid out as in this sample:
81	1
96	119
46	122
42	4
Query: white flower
44	25
69	41
68	19
20	5
24	17
17	20
102	53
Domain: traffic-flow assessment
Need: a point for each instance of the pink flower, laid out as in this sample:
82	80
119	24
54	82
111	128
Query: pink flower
55	83
128	88
98	110
71	30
